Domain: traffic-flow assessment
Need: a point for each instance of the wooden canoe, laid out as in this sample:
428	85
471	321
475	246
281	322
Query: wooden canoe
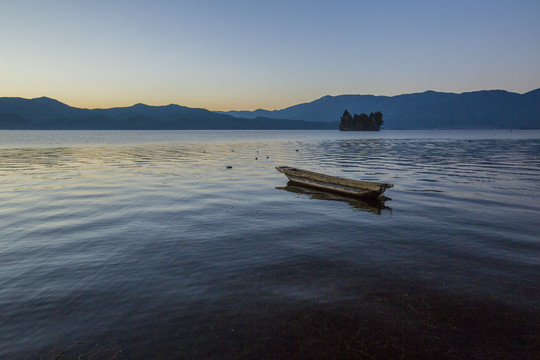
349	187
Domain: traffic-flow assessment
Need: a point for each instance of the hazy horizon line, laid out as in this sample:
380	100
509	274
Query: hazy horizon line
209	108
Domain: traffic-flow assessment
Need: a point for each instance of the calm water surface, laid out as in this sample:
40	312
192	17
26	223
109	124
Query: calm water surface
146	243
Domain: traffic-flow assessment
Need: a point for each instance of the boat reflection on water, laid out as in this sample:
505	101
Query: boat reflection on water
375	206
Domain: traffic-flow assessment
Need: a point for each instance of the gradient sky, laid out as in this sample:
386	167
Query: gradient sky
243	55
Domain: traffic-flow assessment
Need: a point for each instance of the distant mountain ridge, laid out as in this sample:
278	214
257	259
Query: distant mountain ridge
49	114
488	109
485	109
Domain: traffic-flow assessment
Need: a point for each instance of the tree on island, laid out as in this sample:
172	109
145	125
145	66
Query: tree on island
362	122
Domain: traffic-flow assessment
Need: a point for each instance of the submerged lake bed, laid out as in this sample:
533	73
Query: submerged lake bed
190	245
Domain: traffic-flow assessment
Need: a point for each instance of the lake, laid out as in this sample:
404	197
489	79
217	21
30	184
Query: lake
145	245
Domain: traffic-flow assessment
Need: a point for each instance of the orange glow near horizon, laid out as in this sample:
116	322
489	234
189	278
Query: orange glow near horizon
269	55
219	103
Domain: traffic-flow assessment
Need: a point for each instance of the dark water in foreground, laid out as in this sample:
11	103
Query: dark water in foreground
145	243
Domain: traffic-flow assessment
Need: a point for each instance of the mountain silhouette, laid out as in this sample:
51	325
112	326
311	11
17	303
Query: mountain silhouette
49	114
486	109
14	121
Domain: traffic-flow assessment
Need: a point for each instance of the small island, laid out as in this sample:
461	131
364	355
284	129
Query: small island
362	122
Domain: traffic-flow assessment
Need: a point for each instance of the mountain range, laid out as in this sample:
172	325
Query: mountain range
428	110
486	109
49	114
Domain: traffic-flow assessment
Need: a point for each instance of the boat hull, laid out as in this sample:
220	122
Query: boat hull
348	187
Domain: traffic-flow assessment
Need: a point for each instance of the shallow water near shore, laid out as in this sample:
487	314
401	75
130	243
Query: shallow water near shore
145	242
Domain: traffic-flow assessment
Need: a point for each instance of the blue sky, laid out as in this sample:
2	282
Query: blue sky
224	55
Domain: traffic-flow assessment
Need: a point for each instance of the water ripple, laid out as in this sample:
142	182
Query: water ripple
109	239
